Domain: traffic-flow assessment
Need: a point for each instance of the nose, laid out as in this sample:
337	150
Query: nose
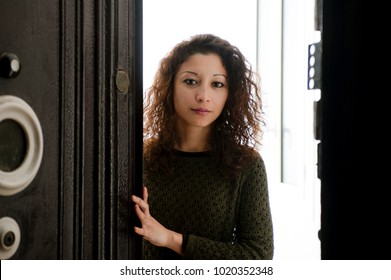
202	95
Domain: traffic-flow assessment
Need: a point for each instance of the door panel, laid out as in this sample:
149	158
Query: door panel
76	57
27	30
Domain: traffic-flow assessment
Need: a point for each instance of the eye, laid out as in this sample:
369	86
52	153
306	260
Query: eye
218	84
190	82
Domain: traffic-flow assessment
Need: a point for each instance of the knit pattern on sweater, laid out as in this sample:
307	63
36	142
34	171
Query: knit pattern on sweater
220	218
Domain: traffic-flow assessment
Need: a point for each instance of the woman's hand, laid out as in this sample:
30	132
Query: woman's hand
152	230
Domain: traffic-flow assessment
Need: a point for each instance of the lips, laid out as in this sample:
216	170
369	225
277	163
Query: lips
201	111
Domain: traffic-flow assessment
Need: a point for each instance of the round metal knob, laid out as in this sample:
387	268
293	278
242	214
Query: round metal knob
9	65
9	237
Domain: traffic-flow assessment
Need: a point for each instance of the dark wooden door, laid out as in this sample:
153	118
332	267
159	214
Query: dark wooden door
356	207
77	67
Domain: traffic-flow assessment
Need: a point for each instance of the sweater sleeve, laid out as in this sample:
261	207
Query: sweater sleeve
254	224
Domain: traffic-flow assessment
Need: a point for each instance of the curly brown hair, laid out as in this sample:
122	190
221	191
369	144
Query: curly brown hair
235	133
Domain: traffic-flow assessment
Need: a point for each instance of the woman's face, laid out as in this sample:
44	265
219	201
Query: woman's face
200	90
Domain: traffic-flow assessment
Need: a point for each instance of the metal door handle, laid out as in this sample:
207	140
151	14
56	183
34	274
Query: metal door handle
9	65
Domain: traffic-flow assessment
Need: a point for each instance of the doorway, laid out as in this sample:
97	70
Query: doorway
274	36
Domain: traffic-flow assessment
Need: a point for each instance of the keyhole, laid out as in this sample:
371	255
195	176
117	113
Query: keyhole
9	239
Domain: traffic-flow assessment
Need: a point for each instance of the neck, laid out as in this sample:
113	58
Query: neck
194	139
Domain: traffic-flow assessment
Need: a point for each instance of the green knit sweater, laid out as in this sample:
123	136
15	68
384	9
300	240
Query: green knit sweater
219	218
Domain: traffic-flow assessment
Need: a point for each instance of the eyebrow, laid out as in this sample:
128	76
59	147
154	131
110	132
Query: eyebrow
221	75
194	73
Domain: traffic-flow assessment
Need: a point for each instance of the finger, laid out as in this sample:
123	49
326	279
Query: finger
145	194
139	212
141	203
135	199
138	230
138	200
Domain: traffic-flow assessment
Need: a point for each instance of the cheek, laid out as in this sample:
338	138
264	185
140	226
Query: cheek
222	101
179	101
176	102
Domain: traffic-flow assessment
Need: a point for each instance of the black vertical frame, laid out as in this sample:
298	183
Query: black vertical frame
139	123
354	198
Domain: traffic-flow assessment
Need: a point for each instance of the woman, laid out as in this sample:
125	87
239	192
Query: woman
206	193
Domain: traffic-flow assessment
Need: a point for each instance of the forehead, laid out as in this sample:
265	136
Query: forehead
203	63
